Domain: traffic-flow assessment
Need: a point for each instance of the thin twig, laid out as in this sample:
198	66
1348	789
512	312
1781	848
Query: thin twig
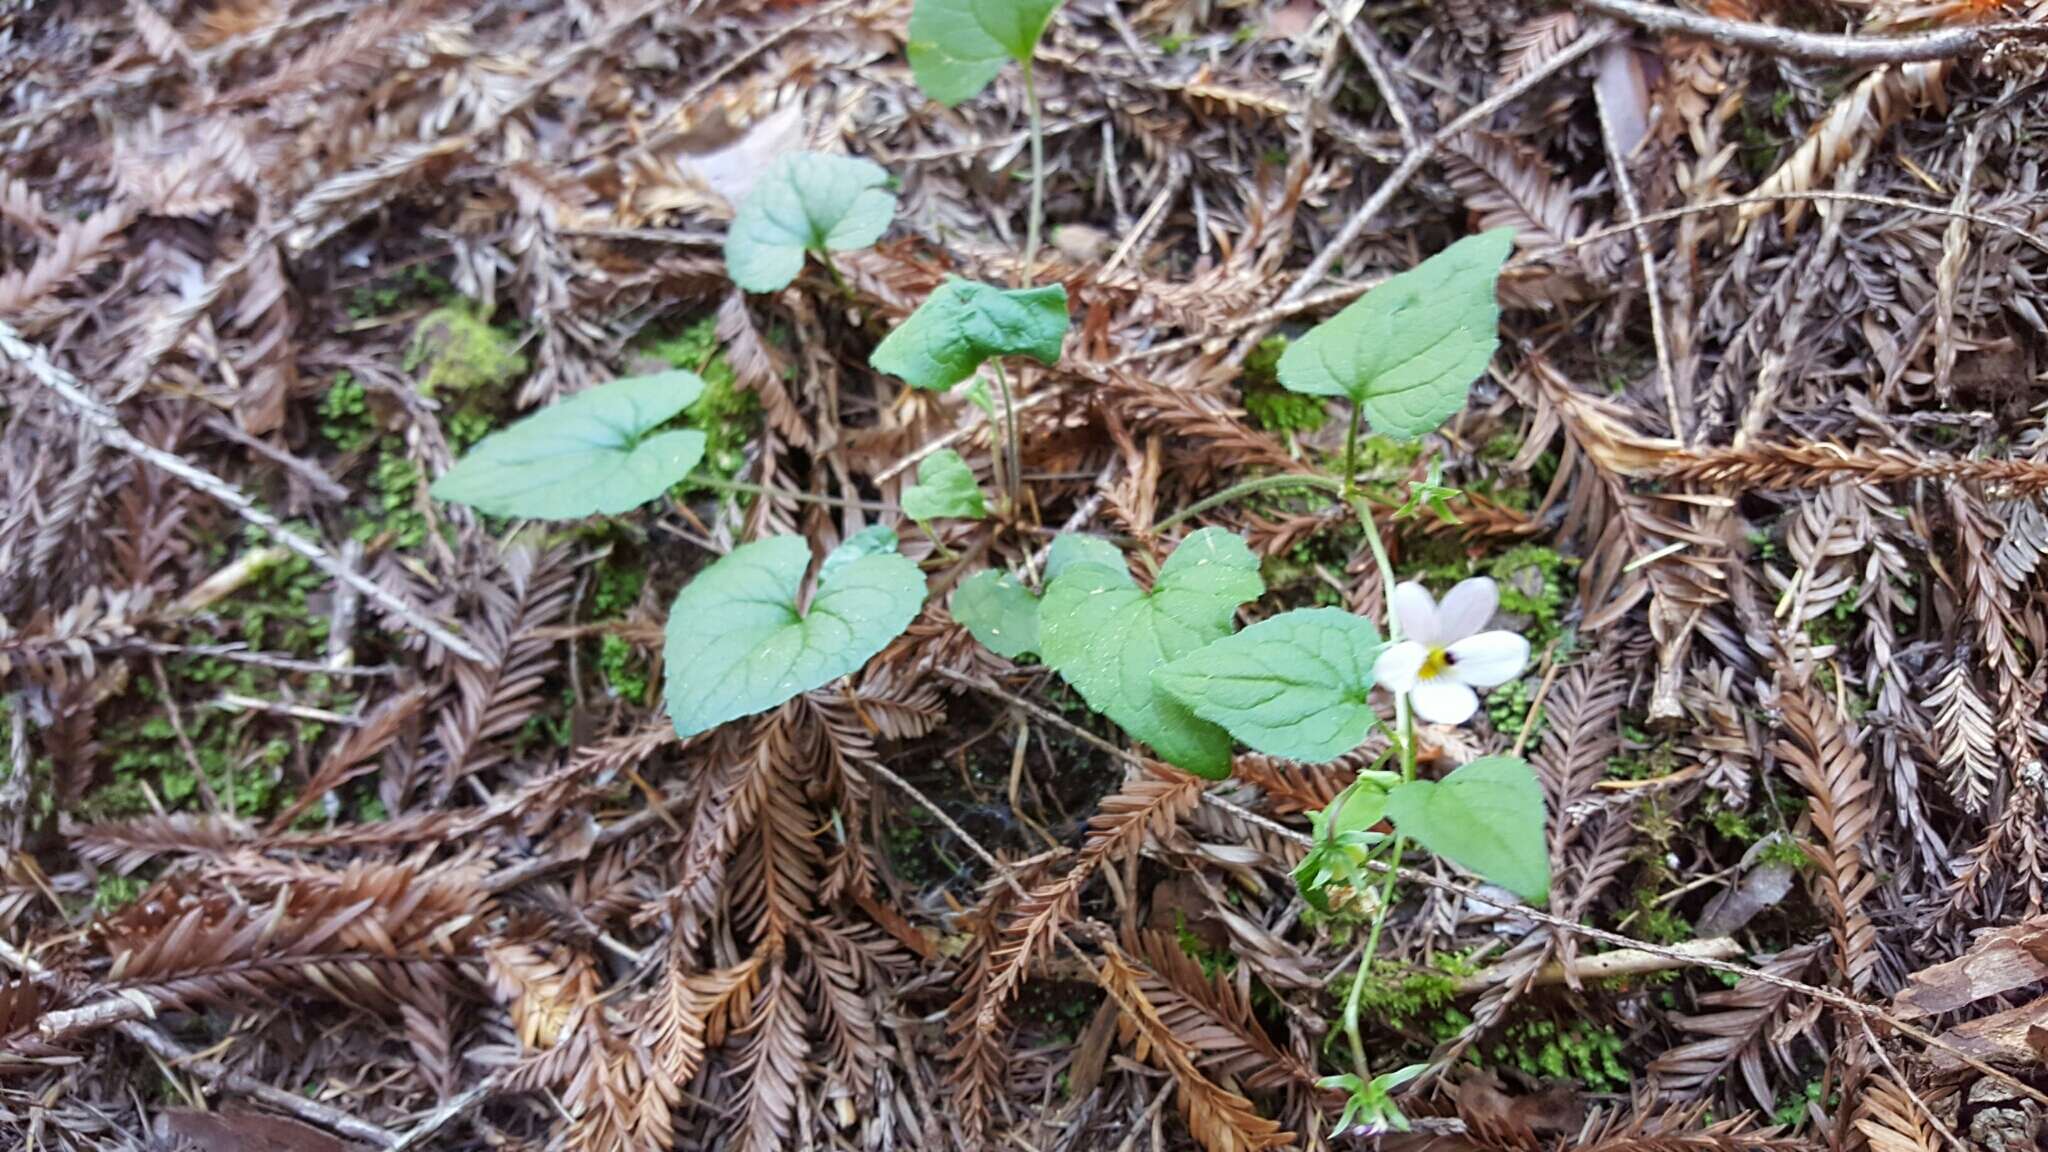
1625	187
1609	965
1947	1137
172	1052
1266	317
1939	44
1335	248
1365	44
100	419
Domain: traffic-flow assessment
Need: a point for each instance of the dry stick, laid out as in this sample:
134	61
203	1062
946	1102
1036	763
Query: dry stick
671	119
1824	995
1625	187
97	417
1266	316
172	1052
1366	45
1413	162
1620	962
438	1119
1947	1137
1942	44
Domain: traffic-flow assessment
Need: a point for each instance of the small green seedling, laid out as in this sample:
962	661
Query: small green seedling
1345	834
958	46
1105	635
964	325
1369	1107
1407	352
1431	495
596	453
740	641
945	489
808	203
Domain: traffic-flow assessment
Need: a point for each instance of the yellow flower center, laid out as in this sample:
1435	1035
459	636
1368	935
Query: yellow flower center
1434	664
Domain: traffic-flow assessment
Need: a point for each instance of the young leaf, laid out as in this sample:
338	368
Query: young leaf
589	454
873	540
1294	685
1486	817
963	324
1000	611
807	202
1105	636
958	46
738	644
1072	548
1407	352
945	487
1344	837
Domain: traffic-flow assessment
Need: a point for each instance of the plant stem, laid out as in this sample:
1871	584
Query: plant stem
742	486
1035	220
1372	945
945	553
838	280
1404	741
1351	469
1363	511
1015	471
1246	488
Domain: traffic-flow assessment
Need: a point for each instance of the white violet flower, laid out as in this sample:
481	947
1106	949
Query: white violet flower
1442	655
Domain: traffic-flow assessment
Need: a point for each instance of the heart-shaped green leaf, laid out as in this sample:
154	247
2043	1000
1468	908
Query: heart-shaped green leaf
1106	636
1294	685
806	202
1003	614
1486	817
963	324
738	644
958	46
945	488
593	453
1000	611
1408	351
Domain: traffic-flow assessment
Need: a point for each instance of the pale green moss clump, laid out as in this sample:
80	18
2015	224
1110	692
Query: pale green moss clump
460	352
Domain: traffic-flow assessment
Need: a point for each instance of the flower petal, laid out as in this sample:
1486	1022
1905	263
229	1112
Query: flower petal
1400	666
1443	701
1415	612
1488	659
1466	609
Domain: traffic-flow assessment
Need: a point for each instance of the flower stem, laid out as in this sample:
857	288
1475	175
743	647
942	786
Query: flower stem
745	488
1246	488
1404	742
1372	944
1363	511
1035	220
1351	461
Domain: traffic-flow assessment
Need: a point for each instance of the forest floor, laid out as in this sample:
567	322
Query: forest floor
298	864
